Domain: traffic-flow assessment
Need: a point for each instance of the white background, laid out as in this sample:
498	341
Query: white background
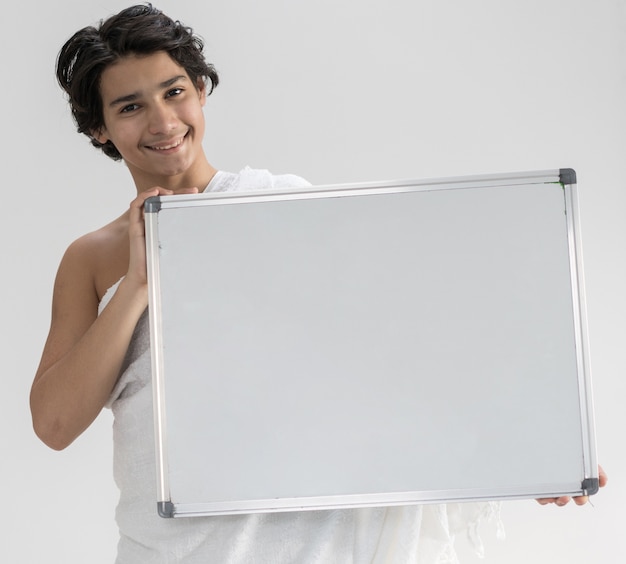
336	91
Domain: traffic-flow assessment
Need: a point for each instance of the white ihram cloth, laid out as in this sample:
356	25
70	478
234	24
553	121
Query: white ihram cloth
396	535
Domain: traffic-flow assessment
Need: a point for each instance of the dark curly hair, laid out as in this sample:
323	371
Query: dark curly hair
141	30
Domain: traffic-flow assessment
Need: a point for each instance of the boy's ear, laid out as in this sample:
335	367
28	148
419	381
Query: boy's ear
100	135
201	88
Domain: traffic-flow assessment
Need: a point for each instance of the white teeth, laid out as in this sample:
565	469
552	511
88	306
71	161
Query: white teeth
172	146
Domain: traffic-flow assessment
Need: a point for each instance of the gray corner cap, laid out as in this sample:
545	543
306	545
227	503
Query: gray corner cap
165	509
567	176
590	486
152	204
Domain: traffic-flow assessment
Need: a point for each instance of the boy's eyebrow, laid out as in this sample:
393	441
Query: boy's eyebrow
135	95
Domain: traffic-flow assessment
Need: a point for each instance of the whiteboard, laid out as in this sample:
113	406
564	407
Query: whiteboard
369	344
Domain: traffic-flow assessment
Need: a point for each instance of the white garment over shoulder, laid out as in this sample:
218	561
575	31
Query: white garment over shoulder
419	534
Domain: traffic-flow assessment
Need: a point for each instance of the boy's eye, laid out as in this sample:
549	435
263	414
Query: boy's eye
174	92
128	108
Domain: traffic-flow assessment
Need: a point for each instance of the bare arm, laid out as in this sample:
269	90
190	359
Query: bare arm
84	352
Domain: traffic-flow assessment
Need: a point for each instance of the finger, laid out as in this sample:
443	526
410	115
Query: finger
581	499
562	501
137	205
602	477
139	201
155	191
136	226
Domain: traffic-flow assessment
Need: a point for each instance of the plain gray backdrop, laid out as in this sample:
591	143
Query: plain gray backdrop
336	91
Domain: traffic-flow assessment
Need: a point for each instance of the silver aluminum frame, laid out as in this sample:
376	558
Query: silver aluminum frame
156	348
579	308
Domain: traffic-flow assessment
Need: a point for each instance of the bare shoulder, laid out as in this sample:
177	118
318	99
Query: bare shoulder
99	258
90	265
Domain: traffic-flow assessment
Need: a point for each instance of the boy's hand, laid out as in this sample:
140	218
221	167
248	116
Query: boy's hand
578	500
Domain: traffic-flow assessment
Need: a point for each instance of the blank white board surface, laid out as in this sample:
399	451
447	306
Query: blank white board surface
370	344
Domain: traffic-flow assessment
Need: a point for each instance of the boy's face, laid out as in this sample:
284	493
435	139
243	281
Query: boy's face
153	115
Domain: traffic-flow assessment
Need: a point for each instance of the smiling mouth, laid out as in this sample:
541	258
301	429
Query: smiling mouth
169	146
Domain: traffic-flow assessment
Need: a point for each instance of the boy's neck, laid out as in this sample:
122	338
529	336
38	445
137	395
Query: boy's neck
198	178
